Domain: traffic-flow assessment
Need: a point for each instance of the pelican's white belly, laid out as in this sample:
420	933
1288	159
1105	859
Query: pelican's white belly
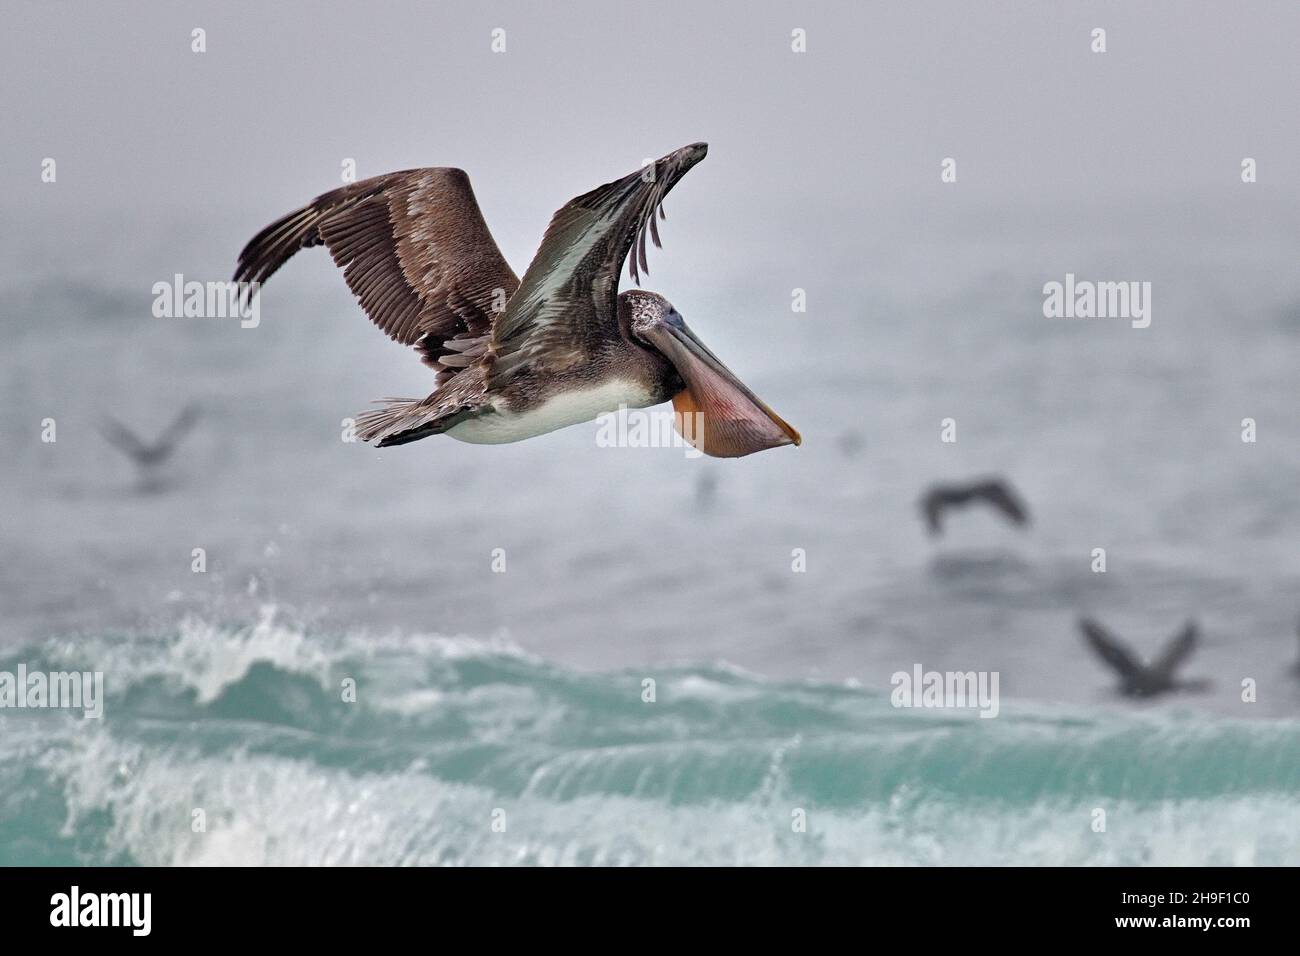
560	411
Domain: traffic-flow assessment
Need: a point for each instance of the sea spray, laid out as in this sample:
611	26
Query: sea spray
247	725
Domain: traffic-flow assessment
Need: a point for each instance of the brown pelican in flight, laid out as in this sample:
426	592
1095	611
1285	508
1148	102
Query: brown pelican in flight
1138	679
517	358
991	491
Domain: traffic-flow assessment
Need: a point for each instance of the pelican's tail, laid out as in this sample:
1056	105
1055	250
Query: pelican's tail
402	420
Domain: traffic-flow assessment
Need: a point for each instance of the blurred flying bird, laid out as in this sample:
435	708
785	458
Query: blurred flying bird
1138	679
993	491
850	443
518	358
149	455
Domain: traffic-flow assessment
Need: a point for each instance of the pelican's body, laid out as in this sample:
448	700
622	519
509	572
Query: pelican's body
500	423
516	358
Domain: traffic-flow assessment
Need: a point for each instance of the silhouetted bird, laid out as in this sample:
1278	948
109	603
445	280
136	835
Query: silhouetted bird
992	491
149	455
1138	679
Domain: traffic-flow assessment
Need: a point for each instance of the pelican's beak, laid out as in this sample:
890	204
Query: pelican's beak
716	412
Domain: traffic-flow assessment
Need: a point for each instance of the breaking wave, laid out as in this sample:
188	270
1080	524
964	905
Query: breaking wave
264	743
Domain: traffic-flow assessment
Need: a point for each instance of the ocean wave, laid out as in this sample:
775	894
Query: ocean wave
300	747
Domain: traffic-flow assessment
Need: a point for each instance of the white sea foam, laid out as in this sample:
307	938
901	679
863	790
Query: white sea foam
266	811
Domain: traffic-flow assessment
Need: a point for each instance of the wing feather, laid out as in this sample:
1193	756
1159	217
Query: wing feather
414	250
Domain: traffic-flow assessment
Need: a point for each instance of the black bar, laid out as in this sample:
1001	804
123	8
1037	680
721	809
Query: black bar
330	906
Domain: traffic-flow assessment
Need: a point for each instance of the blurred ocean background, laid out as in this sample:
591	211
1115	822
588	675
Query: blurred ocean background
521	691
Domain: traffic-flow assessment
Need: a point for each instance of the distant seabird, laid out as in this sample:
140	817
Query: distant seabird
517	358
1138	679
850	443
992	491
149	455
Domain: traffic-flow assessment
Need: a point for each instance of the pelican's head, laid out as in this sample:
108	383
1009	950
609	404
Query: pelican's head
716	412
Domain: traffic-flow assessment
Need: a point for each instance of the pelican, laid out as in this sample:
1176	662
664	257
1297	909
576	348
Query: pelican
517	358
1139	679
992	491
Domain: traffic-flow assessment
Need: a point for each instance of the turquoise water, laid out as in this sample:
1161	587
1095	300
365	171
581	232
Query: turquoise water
808	571
449	737
633	564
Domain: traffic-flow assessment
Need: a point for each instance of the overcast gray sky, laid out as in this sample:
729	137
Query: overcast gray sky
882	93
823	164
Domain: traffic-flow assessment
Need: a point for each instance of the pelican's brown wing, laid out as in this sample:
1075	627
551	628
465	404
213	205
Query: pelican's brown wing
414	250
566	304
